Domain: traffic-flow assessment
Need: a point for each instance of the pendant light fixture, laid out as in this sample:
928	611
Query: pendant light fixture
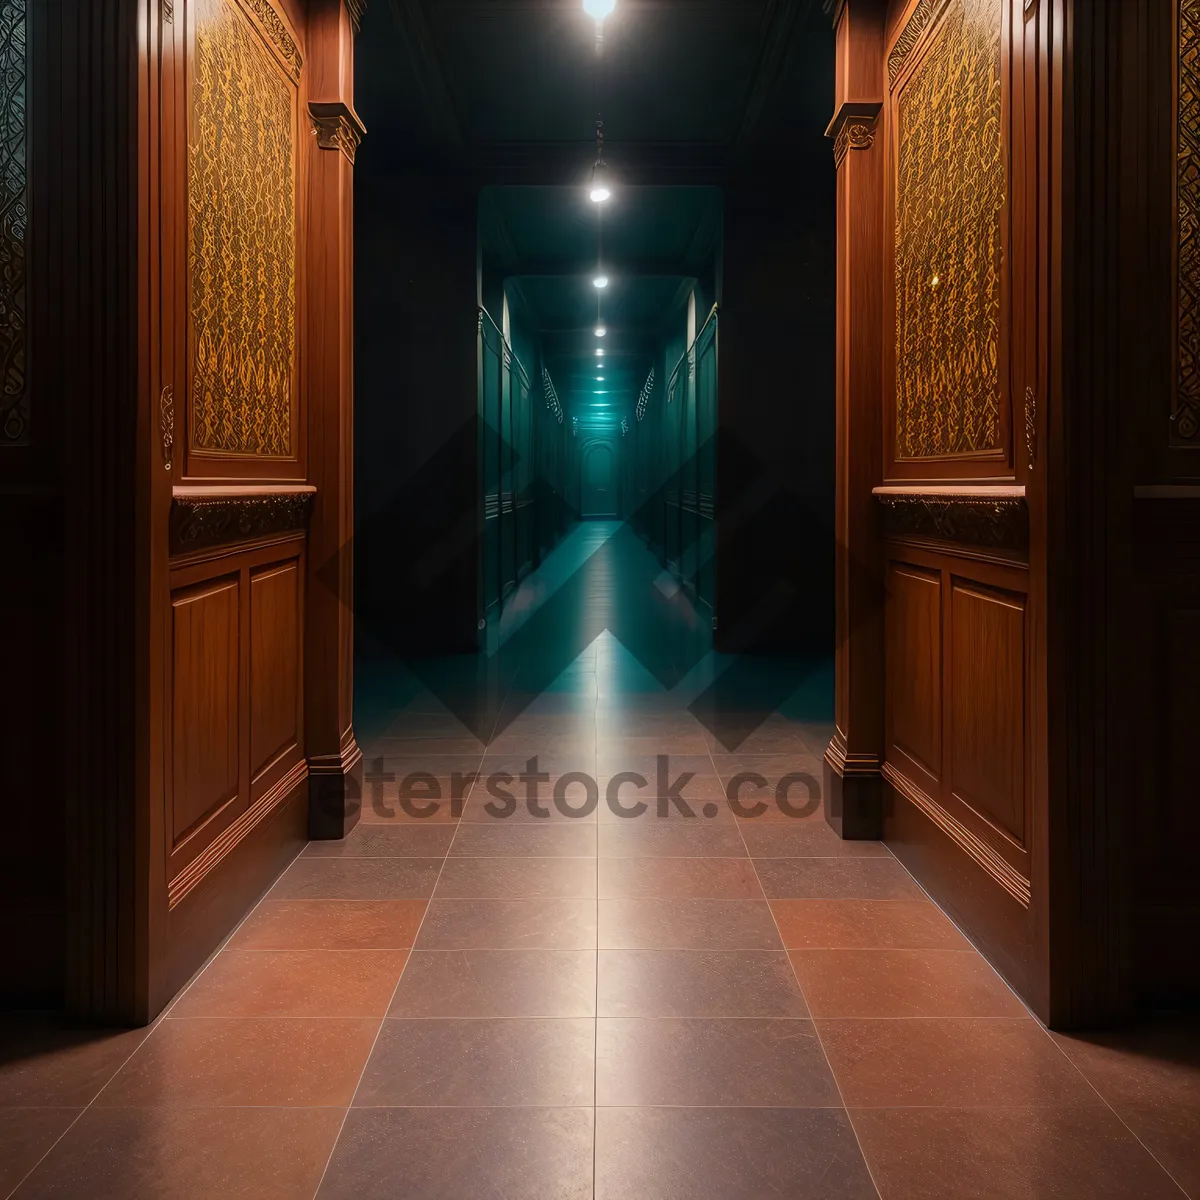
599	9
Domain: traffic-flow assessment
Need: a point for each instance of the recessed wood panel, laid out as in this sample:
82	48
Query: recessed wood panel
914	664
986	709
274	664
204	704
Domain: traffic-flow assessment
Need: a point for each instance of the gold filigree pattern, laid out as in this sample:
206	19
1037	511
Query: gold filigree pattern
910	35
950	198
14	215
242	227
1185	419
277	31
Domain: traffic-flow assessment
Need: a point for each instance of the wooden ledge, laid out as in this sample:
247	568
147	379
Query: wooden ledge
994	516
206	516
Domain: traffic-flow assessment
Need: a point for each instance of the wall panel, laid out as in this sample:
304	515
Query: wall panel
276	708
913	664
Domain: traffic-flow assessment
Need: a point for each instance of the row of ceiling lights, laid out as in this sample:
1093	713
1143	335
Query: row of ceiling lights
601	186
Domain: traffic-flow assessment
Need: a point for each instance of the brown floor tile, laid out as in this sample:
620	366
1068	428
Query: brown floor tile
615	746
770	1063
538	1154
728	1154
46	1064
357	879
678	879
385	808
386	841
497	983
188	1154
1151	1076
552	763
294	983
25	1135
1008	1154
620	762
704	788
794	760
803	839
521	815
577	840
889	1064
480	1063
508	925
330	925
698	838
902	983
697	983
865	924
836	879
517	878
686	925
213	1063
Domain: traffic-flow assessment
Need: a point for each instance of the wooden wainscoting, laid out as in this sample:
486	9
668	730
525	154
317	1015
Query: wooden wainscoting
235	769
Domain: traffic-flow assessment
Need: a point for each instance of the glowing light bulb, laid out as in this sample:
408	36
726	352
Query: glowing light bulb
601	281
599	353
601	191
599	9
601	331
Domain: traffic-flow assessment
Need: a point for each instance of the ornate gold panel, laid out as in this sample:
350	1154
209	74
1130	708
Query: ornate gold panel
950	199
242	238
14	396
1185	422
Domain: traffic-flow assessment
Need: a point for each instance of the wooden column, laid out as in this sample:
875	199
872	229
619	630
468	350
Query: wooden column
853	784
333	755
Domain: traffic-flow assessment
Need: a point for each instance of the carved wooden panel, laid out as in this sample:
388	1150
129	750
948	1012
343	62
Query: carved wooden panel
1185	421
14	396
204	703
986	705
914	665
242	227
275	650
949	201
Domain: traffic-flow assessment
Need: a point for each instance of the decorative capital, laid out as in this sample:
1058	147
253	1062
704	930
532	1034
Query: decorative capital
852	128
337	127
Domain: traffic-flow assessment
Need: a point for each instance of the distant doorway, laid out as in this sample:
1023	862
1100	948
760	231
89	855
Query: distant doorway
599	498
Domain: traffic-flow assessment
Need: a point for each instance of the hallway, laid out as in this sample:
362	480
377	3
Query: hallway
659	1007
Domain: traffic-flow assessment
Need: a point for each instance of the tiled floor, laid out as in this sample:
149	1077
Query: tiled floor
647	1008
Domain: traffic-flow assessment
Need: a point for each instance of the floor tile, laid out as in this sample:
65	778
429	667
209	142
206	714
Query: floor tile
686	925
294	983
668	839
482	809
509	924
330	925
678	879
480	1063
1008	1154
26	1134
897	1063
866	924
902	983
497	983
210	1063
552	841
836	878
386	841
697	983
728	1154
188	1154
803	839
1151	1076
44	1063
357	879
540	1154
772	1063
517	878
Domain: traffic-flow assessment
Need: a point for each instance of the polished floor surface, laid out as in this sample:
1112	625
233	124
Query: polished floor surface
484	1002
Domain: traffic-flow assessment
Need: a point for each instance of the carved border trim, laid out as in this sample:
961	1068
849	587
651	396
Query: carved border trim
910	35
201	522
355	10
337	127
281	38
997	522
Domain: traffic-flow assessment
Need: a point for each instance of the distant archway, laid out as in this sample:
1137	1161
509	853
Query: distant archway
599	481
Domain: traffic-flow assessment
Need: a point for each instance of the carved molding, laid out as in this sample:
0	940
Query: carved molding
996	522
201	522
355	10
166	424
279	34
14	217
1030	427
910	35
852	128
337	127
1185	414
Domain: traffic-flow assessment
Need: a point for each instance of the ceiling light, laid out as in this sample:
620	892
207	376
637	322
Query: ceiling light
599	378
601	331
599	353
601	281
601	189
599	9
